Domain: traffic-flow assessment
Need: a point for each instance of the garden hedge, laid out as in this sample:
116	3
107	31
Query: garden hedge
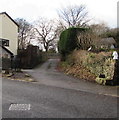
68	41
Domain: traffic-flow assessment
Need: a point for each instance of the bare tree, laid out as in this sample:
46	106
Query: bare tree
92	36
24	33
87	39
112	32
46	32
74	16
99	28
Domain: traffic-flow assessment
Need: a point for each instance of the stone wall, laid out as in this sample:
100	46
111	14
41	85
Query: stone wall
100	64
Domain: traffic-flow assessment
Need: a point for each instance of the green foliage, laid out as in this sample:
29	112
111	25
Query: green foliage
68	41
51	50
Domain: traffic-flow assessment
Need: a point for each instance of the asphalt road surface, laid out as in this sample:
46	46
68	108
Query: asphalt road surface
50	101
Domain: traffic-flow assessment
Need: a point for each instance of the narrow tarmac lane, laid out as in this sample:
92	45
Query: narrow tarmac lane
47	74
54	102
56	95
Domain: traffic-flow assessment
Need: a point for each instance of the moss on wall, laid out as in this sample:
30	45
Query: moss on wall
97	63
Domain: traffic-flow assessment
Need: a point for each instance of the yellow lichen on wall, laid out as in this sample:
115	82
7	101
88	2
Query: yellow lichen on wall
96	63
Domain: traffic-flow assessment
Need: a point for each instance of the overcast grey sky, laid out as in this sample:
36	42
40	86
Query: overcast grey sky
99	10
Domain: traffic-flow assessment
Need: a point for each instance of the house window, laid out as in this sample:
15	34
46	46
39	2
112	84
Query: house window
5	42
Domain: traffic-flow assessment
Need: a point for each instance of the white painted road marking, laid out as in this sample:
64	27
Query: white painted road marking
20	107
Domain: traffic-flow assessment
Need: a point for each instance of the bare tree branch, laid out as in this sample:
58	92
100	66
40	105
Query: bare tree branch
24	33
46	32
74	16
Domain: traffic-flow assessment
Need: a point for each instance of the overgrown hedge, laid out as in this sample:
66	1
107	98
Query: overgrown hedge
68	41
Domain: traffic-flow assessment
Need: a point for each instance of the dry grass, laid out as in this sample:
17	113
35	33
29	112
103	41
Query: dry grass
89	65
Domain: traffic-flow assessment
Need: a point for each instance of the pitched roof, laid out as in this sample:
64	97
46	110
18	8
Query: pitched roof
7	50
107	41
9	18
